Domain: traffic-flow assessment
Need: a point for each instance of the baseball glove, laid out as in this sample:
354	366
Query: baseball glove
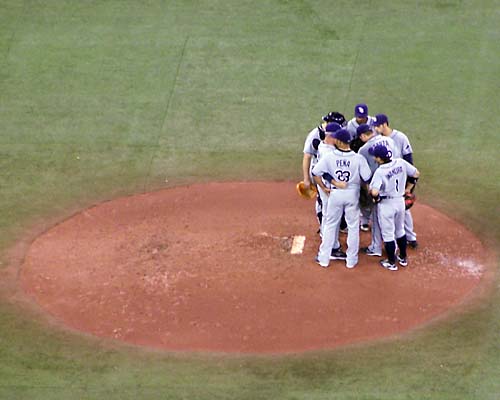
309	194
410	199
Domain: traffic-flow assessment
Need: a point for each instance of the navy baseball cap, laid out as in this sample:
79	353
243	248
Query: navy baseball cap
363	128
332	127
343	135
380	119
379	151
361	110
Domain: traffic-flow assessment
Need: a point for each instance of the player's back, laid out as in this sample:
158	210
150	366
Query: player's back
378	140
349	167
392	177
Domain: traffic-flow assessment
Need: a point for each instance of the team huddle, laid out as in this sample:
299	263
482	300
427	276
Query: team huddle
363	158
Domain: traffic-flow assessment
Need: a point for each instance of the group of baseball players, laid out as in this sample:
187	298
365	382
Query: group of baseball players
361	158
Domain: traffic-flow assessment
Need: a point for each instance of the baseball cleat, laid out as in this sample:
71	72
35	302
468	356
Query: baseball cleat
350	266
388	265
321	265
343	230
402	261
369	252
338	254
413	244
365	227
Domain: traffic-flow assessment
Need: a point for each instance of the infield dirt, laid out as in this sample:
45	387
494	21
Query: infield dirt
208	268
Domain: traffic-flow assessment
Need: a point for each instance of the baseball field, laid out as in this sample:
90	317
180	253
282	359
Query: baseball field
102	100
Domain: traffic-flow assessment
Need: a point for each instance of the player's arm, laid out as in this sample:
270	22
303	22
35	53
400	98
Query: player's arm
411	181
408	158
306	165
338	184
364	170
407	151
374	188
319	182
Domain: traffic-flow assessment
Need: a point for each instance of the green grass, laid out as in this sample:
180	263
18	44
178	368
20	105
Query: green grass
104	99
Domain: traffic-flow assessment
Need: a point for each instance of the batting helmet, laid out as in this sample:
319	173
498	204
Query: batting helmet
335	116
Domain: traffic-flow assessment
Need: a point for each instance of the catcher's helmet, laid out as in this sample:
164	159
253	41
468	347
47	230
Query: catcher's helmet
335	116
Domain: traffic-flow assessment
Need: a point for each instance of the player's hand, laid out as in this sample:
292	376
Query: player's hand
339	184
307	183
326	190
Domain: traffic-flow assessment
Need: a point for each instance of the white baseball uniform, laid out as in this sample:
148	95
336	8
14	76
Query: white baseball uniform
324	149
309	149
390	180
403	146
376	244
352	168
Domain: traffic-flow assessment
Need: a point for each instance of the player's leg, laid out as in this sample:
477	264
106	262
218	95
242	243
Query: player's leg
411	236
322	204
343	224
375	247
351	210
331	224
319	210
364	218
386	213
399	221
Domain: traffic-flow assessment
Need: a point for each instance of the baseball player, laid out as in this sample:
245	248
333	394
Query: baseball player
371	140
324	185
310	156
387	187
361	116
351	169
404	150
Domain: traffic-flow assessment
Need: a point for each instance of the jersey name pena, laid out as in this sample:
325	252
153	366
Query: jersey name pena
390	179
344	166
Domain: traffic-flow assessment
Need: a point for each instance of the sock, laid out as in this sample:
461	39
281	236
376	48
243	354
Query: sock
390	249
402	246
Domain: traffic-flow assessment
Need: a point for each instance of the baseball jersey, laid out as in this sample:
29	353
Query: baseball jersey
352	126
309	148
324	149
344	166
376	141
390	178
308	144
402	142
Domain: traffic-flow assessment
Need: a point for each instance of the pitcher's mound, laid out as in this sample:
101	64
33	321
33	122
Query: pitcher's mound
209	268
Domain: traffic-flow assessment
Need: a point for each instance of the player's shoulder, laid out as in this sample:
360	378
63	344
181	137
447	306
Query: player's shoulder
324	148
313	133
364	149
397	132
